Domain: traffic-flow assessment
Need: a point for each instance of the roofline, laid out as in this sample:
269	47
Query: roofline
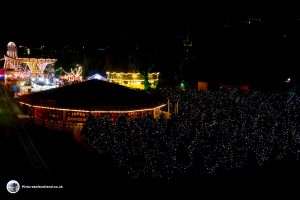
98	111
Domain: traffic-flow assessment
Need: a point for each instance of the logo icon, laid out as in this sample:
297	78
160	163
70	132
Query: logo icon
13	186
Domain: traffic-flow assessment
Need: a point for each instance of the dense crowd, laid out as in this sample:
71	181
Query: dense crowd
212	131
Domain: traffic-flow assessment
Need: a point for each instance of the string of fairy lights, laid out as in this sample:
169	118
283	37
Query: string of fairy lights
93	111
212	132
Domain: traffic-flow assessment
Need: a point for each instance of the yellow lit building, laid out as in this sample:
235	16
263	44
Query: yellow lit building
132	80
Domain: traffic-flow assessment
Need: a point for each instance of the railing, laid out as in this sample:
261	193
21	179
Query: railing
35	158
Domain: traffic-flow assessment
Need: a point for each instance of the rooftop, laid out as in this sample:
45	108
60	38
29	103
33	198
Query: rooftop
94	95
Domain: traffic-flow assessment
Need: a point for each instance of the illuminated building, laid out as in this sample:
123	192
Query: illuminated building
68	107
12	50
11	57
133	80
22	71
36	65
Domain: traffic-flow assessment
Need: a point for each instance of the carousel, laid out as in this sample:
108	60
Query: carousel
65	108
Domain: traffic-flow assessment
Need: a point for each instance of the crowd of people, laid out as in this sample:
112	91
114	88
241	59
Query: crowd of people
212	131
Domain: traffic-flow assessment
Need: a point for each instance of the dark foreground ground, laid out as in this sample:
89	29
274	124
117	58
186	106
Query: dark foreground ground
81	171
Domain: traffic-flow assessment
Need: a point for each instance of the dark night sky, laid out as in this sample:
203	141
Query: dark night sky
222	39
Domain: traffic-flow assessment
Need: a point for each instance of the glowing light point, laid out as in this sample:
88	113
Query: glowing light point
182	86
96	76
41	79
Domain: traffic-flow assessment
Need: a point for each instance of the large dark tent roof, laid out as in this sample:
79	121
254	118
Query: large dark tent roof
94	95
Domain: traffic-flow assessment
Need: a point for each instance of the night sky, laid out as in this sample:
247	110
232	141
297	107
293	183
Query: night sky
240	44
